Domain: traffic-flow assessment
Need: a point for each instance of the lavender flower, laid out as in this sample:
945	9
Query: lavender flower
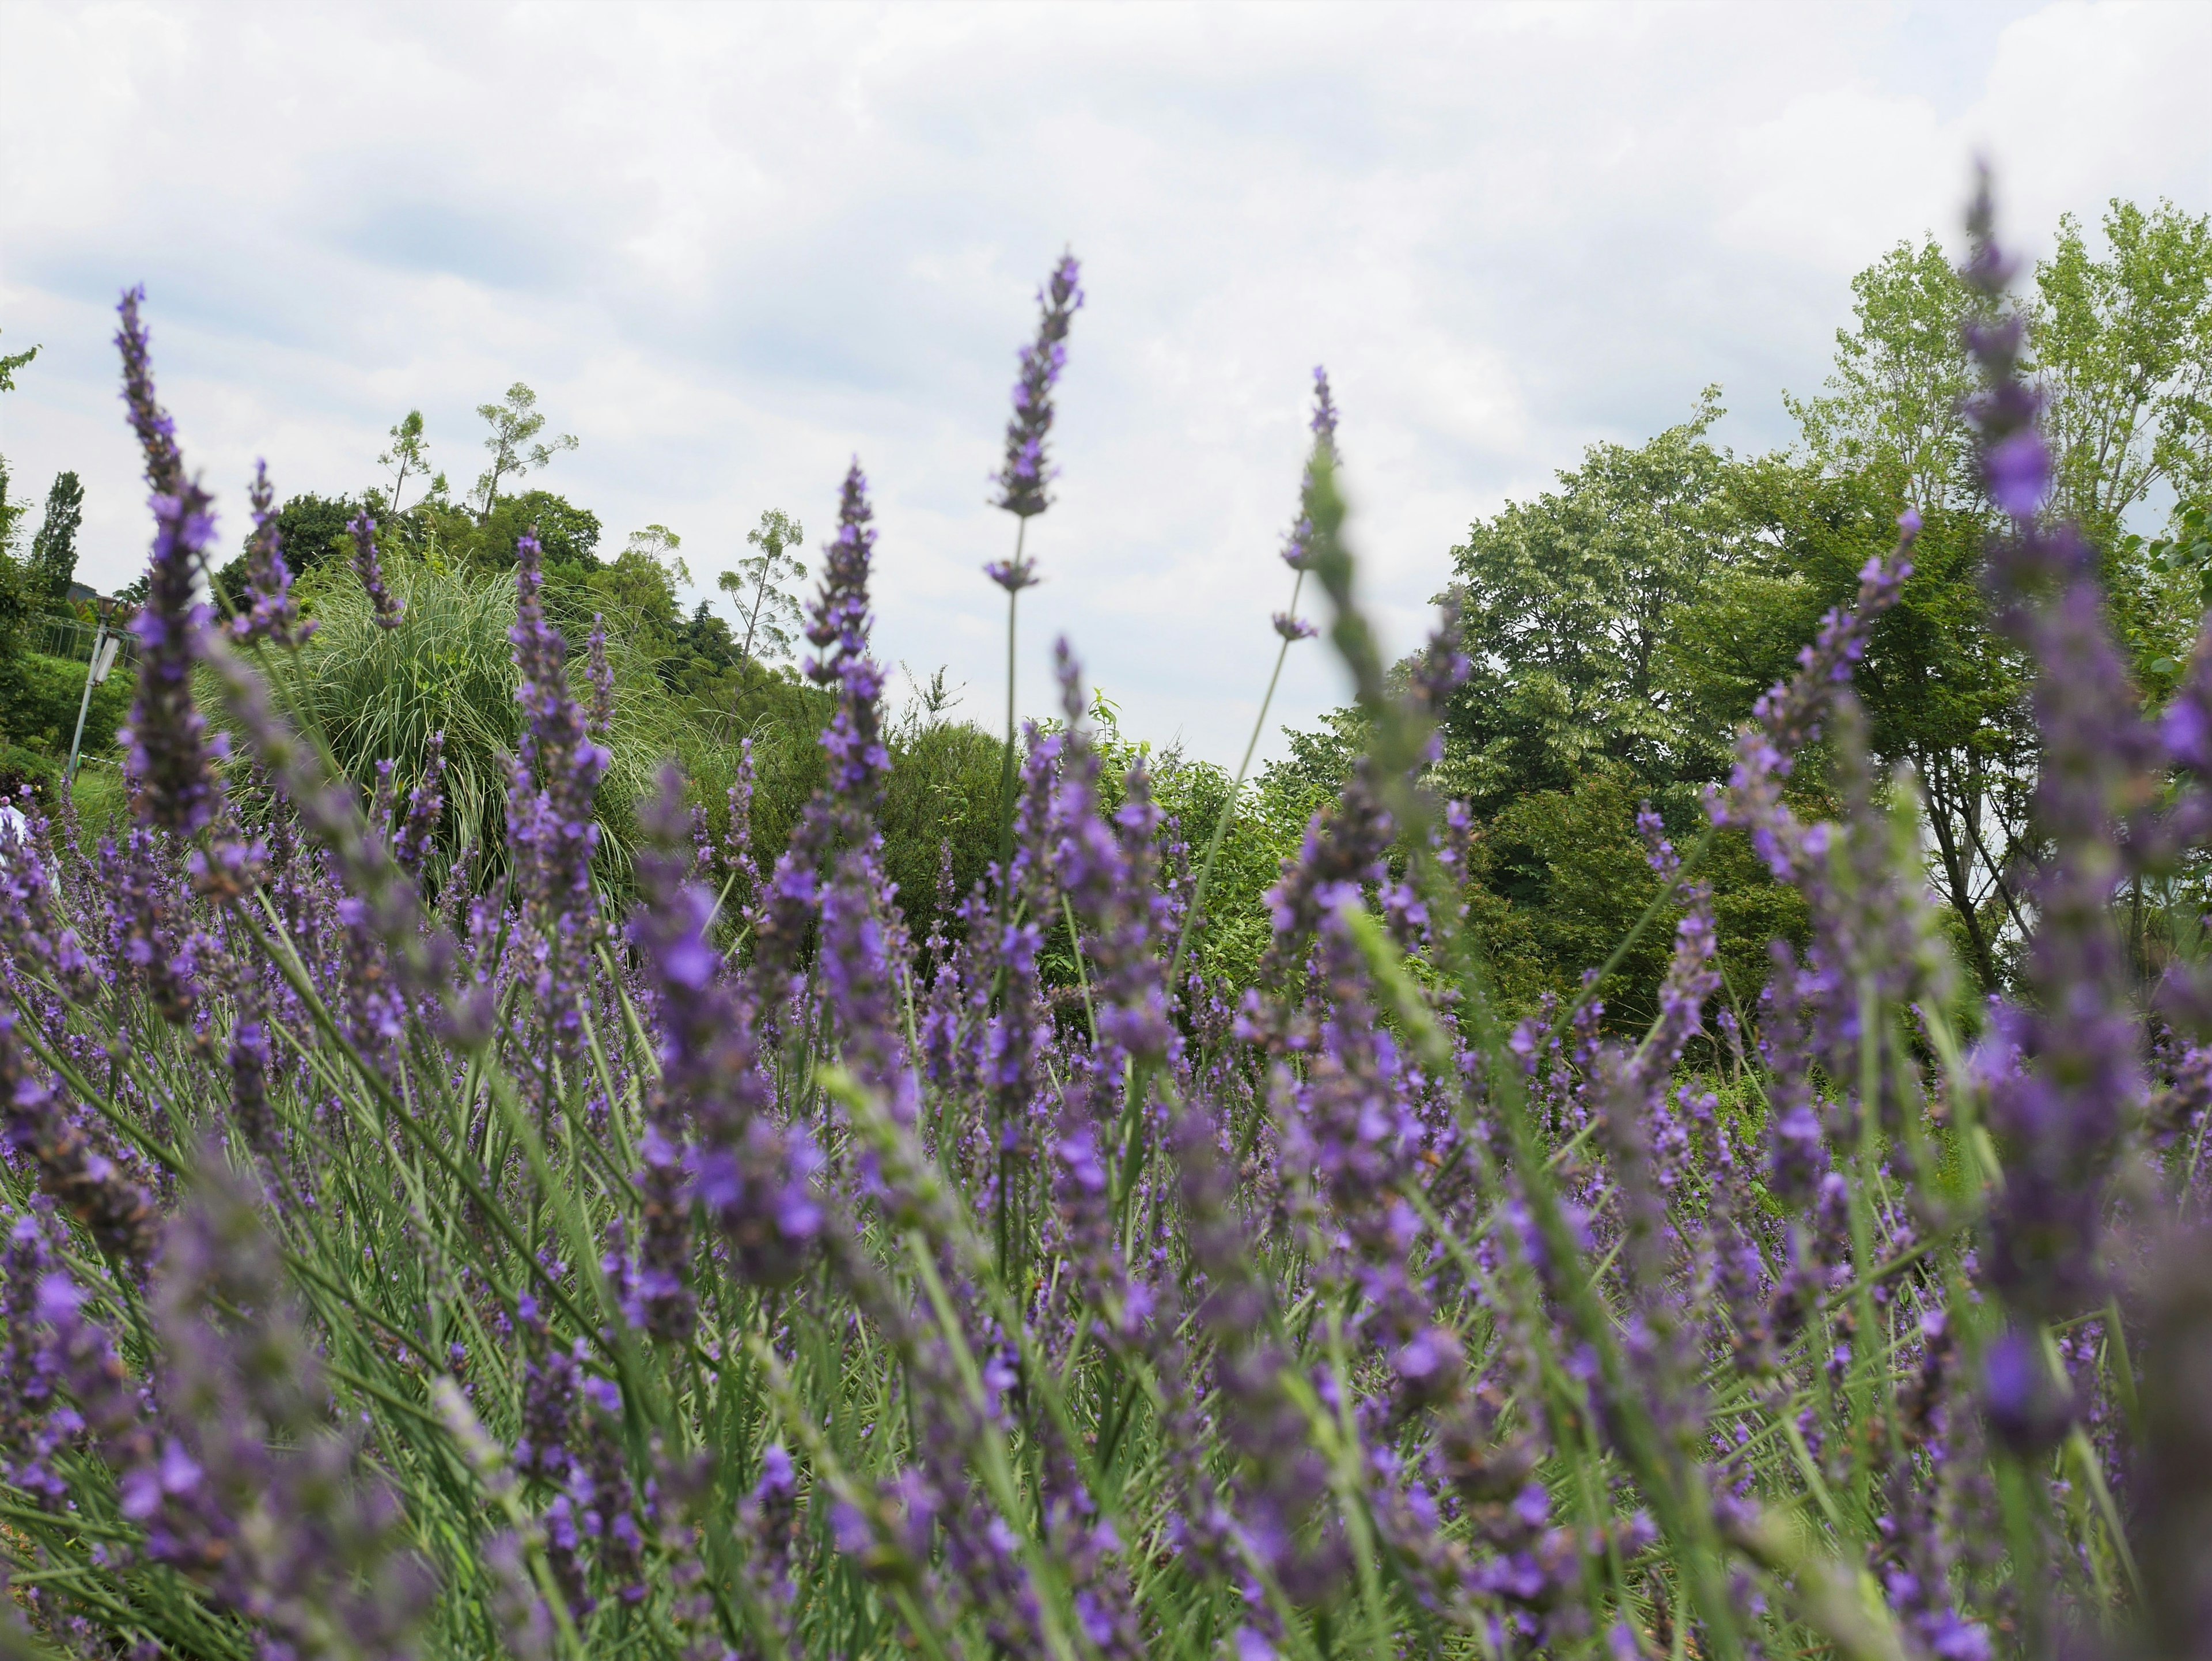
552	827
1022	481
426	807
839	632
368	566
254	1494
838	626
271	613
601	675
2063	1110
31	924
170	754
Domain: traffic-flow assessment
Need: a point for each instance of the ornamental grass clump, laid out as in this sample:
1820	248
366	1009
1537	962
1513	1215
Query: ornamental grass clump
415	1251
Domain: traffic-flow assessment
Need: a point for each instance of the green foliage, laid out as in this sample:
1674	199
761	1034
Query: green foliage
1893	403
11	361
46	695
940	805
1568	602
568	535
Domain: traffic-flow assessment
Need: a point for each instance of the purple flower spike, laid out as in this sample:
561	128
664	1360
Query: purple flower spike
271	614
2061	1114
1022	481
839	631
157	432
601	674
550	822
371	572
1323	427
169	751
1012	574
1291	628
753	1174
1324	415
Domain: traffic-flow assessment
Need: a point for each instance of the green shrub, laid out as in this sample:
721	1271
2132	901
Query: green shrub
41	711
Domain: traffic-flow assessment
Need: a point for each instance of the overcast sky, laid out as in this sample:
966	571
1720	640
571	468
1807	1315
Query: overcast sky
731	246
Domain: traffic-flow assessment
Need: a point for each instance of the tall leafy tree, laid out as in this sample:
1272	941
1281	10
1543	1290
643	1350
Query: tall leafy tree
1566	605
53	550
516	448
408	456
2122	349
767	602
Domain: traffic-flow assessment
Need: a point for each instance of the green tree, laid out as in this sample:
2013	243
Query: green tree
767	610
53	550
516	449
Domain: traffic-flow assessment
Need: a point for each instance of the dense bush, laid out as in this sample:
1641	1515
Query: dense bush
403	1267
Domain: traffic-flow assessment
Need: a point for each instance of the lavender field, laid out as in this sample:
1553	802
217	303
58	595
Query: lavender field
431	1241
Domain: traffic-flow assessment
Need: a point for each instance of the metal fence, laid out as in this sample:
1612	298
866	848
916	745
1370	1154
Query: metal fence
66	638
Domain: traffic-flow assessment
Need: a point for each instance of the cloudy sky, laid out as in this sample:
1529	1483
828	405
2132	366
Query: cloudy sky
731	246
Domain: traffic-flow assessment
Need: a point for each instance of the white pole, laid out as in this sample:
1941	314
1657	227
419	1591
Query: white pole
91	669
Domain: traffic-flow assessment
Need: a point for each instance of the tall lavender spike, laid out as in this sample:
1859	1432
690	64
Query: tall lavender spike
271	613
601	675
157	432
550	824
370	570
838	630
1324	415
1295	552
169	751
1022	481
426	807
2062	1113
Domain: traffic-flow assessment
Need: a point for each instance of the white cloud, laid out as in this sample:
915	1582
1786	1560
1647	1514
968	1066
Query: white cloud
731	246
